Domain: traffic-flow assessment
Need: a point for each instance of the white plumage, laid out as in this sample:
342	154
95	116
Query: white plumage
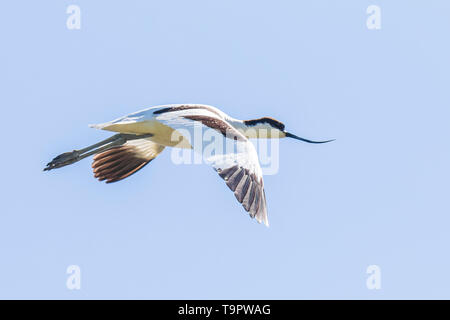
144	134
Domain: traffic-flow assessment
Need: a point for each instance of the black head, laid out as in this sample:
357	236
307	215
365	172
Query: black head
280	126
266	120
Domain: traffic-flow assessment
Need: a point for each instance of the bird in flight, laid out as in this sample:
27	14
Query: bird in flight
143	135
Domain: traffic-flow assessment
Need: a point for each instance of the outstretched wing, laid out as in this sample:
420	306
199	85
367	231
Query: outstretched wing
239	167
243	175
121	162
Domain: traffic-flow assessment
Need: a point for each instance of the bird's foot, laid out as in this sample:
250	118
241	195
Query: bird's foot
63	159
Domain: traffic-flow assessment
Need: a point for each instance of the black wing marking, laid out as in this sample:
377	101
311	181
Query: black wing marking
248	189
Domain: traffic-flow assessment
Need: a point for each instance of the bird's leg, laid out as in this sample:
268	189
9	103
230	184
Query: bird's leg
67	158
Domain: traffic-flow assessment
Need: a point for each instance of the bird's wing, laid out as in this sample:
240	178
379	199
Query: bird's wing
240	169
121	162
243	175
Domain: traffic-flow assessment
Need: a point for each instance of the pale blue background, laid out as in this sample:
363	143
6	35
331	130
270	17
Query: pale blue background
378	195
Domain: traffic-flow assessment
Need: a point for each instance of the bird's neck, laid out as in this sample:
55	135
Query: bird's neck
238	124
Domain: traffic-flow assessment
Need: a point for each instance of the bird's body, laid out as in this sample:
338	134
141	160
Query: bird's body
144	134
162	121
